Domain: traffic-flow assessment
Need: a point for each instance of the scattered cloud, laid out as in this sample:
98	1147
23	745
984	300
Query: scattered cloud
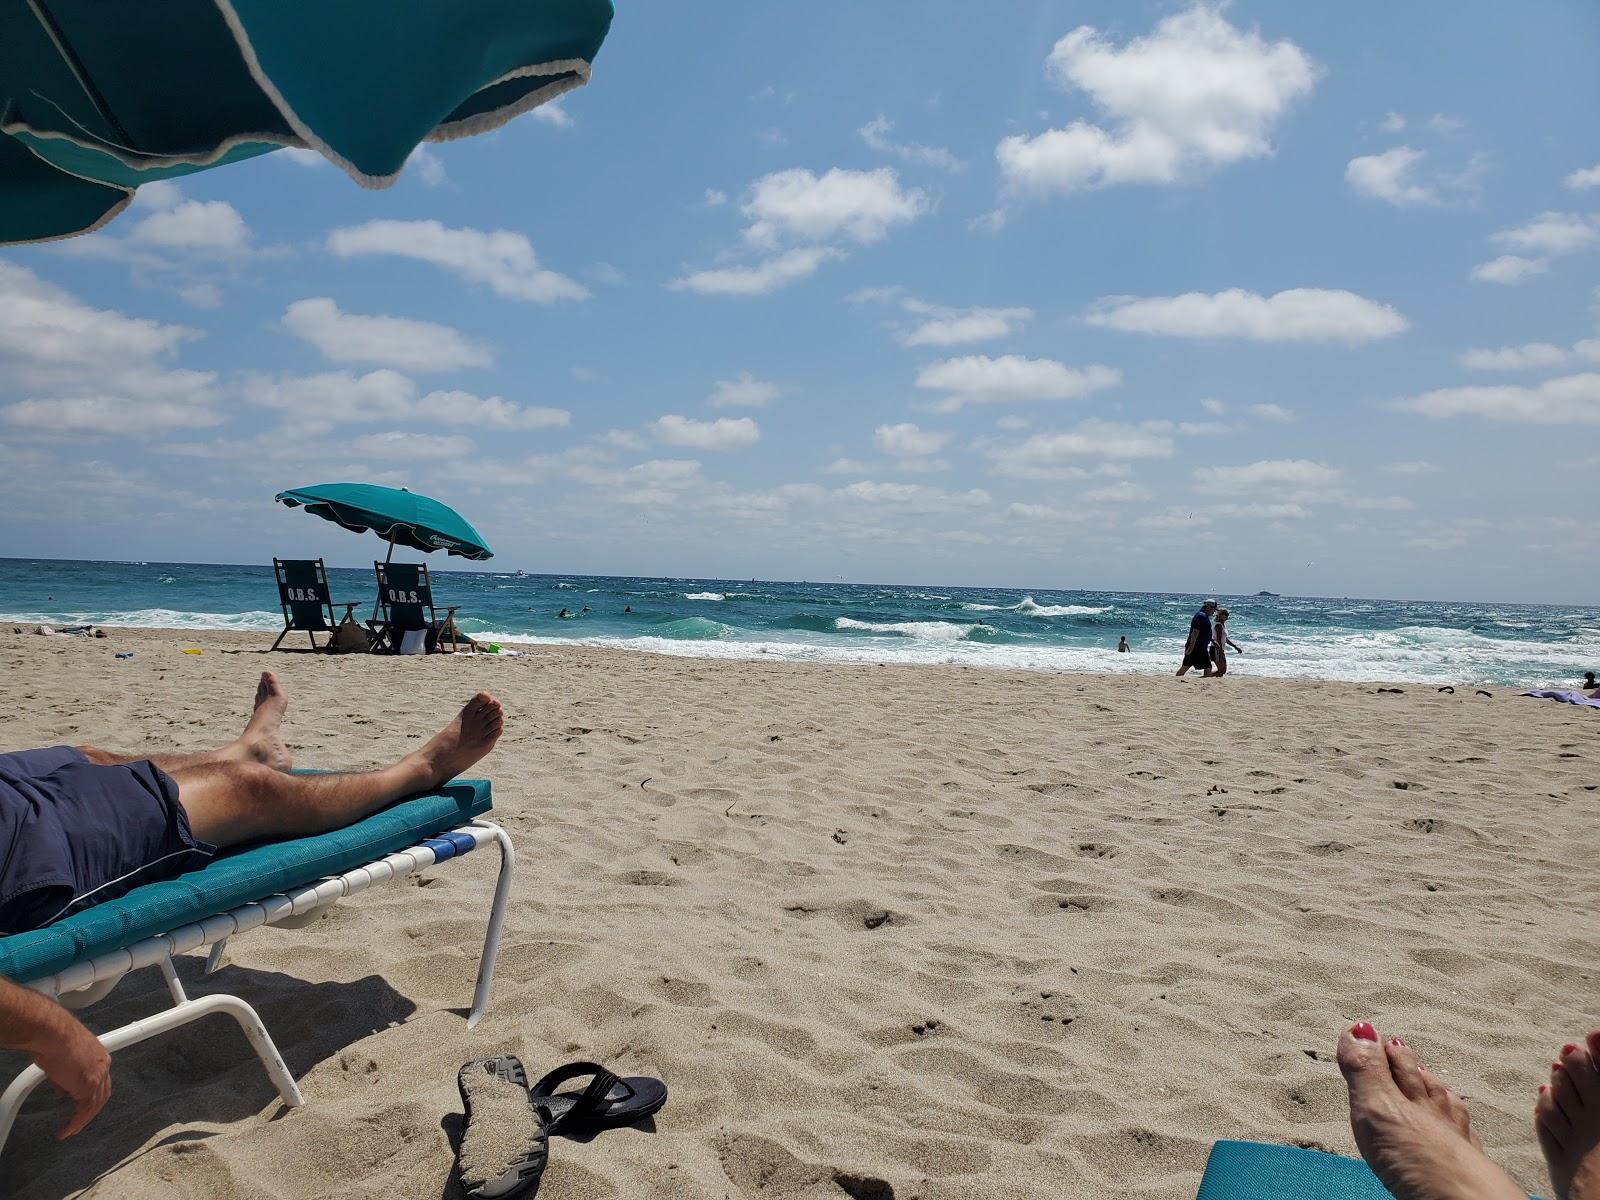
847	466
724	433
1588	177
299	156
715	198
875	133
961	326
1548	236
1274	412
201	295
386	341
1124	491
501	260
766	276
914	497
1297	476
210	228
1411	467
551	113
1194	95
1060	455
1259	511
1392	123
743	391
1009	379
1295	315
840	204
1513	358
74	370
105	416
1215	407
908	441
1567	400
1510	268
428	166
395	446
1390	176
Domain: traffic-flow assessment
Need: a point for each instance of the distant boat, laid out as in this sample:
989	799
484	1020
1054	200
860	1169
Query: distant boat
519	574
1274	595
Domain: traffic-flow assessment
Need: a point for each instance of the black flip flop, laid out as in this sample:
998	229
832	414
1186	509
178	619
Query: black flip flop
607	1103
523	1174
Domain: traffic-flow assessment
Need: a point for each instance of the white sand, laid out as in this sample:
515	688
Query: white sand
1125	917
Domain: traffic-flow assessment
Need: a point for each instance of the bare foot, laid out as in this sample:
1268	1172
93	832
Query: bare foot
473	733
1567	1118
262	739
1412	1130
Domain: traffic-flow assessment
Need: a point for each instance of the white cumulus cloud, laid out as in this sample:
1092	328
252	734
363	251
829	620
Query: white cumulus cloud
1588	177
1011	378
1274	412
204	227
1060	455
875	133
840	204
1514	358
1298	476
766	276
501	260
1295	315
1510	268
385	341
1567	400
908	441
1390	176
724	433
1195	94
743	391
942	326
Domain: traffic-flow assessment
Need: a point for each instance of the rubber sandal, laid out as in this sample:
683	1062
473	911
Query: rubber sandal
523	1174
607	1103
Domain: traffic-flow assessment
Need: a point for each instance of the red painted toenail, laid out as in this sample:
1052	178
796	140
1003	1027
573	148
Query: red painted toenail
1569	1048
1397	1041
1555	1066
1364	1031
1543	1088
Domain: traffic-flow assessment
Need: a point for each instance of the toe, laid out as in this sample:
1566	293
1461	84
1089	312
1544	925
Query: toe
1406	1070
1548	1119
1578	1065
1365	1067
1566	1094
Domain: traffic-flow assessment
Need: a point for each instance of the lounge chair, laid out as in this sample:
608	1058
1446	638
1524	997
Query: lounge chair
1259	1171
287	884
405	605
306	599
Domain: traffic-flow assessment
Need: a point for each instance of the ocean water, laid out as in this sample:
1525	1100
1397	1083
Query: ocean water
1290	636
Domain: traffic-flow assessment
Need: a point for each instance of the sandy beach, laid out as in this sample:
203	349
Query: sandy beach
968	933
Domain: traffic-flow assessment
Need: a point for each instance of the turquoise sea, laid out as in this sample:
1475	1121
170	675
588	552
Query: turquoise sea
1294	636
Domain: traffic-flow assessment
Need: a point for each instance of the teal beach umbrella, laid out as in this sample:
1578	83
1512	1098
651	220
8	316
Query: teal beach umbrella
99	96
400	517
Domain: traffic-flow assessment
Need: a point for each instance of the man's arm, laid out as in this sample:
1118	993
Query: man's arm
70	1056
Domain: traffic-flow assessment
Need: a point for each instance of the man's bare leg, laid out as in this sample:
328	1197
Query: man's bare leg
232	802
261	741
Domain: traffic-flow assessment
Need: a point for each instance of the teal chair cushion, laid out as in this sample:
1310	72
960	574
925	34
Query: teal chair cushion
1256	1171
238	877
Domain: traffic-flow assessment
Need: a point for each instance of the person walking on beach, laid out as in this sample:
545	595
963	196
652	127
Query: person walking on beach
1220	641
1197	650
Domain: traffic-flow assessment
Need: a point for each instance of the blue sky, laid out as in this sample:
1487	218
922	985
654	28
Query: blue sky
1101	295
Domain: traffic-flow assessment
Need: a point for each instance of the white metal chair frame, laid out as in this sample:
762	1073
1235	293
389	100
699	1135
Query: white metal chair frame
85	982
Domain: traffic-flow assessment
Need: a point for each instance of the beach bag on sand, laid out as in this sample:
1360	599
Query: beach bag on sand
349	638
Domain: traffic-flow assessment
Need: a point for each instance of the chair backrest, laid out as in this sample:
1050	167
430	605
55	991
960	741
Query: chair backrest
405	594
303	593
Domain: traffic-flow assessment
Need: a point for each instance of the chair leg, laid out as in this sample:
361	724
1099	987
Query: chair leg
497	914
281	636
162	1022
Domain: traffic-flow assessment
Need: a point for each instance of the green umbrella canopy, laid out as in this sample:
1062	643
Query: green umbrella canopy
394	514
97	97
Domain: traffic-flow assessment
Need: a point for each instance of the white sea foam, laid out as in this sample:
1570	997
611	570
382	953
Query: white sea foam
1031	607
155	618
932	631
704	596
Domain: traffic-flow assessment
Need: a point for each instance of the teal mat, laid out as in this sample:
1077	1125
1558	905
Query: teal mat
1257	1171
238	877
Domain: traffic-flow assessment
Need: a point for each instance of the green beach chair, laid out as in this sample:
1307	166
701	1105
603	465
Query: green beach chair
285	884
1259	1171
306	599
405	605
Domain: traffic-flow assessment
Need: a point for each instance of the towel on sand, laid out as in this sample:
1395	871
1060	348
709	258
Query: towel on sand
1566	698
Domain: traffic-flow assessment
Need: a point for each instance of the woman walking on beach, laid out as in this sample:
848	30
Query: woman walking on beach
1220	642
